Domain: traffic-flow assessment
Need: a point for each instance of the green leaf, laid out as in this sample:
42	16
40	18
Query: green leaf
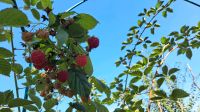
5	110
76	31
17	68
156	98
140	23
189	53
161	93
79	83
34	2
5	97
137	73
5	67
66	14
5	53
52	18
31	108
173	70
7	19
19	102
27	2
148	70
135	79
7	1
165	70
178	93
101	86
36	100
35	14
158	4
160	82
142	88
50	103
61	36
86	21
164	14
46	3
100	107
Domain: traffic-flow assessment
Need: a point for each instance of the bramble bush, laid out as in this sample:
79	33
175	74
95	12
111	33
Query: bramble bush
57	48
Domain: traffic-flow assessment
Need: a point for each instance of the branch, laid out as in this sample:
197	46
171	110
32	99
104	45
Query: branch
76	5
193	76
193	3
13	62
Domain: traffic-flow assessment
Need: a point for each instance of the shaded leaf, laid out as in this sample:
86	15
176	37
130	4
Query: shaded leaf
5	67
7	18
19	102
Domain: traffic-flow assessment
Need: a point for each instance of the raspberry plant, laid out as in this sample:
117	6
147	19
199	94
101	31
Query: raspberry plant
59	61
57	48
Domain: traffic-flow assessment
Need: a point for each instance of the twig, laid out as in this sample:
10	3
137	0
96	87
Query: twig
193	76
193	3
13	62
76	5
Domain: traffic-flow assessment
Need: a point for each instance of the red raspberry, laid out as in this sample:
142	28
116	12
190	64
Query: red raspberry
38	57
63	76
93	42
81	60
39	66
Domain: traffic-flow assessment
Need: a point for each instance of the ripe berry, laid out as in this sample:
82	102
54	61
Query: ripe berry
43	34
39	66
63	76
93	42
27	36
38	58
81	60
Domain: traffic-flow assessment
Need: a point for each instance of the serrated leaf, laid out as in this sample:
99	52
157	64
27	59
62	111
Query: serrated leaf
31	108
5	110
6	96
101	86
160	82
61	36
148	70
35	14
5	53
76	31
165	69
164	14
178	93
19	102
161	93
50	103
46	3
173	70
7	19
189	53
52	18
66	14
17	68
5	67
86	21
79	83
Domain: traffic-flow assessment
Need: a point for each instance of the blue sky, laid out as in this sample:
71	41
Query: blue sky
116	17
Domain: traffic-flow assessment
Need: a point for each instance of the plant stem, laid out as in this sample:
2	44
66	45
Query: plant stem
193	3
76	5
13	62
